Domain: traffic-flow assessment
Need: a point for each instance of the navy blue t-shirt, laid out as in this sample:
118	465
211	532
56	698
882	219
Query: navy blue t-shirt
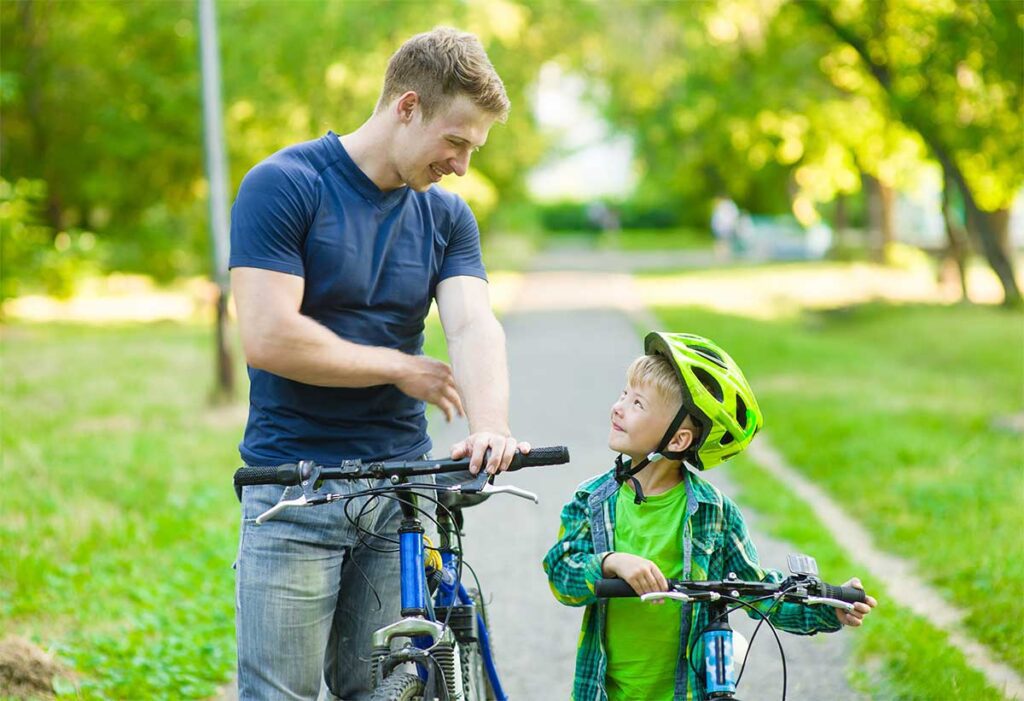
371	261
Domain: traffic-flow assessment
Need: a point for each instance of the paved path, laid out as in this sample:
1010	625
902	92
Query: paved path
567	366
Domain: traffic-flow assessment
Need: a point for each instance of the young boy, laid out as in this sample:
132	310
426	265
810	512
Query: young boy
651	519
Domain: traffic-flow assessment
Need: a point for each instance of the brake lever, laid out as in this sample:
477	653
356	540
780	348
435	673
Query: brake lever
662	595
279	507
834	603
514	491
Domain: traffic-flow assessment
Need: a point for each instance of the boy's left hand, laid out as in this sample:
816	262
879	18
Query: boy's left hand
856	617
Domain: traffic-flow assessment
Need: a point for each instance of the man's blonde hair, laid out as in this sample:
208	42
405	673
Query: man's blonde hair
656	372
438	66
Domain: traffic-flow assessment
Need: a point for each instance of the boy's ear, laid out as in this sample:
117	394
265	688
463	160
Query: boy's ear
682	440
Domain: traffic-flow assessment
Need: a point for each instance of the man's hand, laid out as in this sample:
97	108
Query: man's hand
642	574
856	617
432	381
503	447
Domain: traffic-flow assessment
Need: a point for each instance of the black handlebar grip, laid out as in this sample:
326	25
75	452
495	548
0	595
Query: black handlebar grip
850	595
553	455
281	474
613	588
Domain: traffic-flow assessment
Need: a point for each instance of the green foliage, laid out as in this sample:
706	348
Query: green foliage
567	216
101	100
34	258
894	411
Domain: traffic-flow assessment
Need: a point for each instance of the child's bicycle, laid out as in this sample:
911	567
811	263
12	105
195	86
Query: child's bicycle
443	623
724	597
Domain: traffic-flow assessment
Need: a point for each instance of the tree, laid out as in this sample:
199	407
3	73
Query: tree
952	72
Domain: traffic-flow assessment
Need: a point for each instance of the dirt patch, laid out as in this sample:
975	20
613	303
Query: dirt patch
26	672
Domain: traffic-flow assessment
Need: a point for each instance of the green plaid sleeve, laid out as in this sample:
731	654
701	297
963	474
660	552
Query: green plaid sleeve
741	558
571	564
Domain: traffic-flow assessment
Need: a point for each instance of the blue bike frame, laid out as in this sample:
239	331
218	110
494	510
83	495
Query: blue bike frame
416	597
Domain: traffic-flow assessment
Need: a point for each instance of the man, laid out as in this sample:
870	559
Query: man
338	247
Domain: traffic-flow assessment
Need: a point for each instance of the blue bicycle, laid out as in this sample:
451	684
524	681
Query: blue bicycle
443	624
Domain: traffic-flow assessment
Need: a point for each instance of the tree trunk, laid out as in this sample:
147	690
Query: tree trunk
881	199
224	390
956	235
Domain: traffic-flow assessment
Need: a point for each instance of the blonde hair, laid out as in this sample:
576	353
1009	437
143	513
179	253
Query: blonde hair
438	66
656	372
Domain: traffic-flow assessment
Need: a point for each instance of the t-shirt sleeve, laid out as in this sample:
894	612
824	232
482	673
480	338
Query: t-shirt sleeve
269	220
462	256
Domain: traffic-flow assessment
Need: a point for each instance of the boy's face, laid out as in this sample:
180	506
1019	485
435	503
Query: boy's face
639	420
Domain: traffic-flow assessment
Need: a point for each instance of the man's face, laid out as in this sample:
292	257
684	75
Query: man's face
429	150
639	420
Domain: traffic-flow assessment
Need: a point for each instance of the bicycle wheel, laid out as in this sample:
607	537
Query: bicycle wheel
474	678
474	673
400	686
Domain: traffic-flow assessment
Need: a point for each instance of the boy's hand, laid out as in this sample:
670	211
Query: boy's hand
643	575
856	617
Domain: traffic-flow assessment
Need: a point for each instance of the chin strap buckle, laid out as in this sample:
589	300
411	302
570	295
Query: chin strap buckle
623	473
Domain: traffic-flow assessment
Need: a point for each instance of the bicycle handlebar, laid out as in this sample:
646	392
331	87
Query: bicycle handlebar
292	474
802	589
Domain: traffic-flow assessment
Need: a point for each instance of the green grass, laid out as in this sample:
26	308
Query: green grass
119	523
893	411
900	656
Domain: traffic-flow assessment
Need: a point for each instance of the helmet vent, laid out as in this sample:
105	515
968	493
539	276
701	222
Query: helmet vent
741	412
709	354
726	439
709	382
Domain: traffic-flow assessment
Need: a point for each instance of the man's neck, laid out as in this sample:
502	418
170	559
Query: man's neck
368	147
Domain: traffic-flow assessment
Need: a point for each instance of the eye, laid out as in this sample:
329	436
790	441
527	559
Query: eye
638	403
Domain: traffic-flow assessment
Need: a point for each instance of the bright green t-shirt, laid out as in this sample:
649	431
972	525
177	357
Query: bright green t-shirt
642	640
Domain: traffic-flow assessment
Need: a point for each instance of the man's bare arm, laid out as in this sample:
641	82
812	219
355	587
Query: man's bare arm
278	338
476	344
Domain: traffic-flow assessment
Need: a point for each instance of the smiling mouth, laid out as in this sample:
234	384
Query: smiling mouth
616	427
437	172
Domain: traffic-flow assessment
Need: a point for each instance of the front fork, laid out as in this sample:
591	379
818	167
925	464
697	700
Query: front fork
719	670
414	625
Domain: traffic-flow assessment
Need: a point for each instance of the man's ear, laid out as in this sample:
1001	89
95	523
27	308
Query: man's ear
682	440
406	106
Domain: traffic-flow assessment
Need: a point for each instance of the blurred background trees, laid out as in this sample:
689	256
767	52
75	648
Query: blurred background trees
819	110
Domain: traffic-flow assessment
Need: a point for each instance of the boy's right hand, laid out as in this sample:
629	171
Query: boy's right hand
642	574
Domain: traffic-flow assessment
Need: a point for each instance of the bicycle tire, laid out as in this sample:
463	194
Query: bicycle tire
400	686
475	664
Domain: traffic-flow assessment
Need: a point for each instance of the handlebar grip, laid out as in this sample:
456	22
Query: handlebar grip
613	588
281	474
537	457
851	595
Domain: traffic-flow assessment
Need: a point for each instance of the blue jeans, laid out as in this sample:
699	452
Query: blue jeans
305	608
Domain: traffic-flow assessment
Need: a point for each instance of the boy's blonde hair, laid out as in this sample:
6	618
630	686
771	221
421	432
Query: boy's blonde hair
656	372
440	65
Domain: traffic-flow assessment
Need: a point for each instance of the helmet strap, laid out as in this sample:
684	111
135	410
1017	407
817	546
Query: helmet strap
623	473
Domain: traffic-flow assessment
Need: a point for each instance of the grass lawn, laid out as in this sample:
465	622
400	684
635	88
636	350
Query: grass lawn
896	412
119	521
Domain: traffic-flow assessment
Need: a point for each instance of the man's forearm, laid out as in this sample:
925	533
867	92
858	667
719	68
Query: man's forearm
303	350
481	371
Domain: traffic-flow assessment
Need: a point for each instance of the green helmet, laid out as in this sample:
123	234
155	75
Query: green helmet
715	394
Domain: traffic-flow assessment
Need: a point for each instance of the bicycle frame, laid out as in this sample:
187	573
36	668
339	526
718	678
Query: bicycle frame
419	623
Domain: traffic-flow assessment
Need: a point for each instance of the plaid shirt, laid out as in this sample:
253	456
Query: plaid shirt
715	542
